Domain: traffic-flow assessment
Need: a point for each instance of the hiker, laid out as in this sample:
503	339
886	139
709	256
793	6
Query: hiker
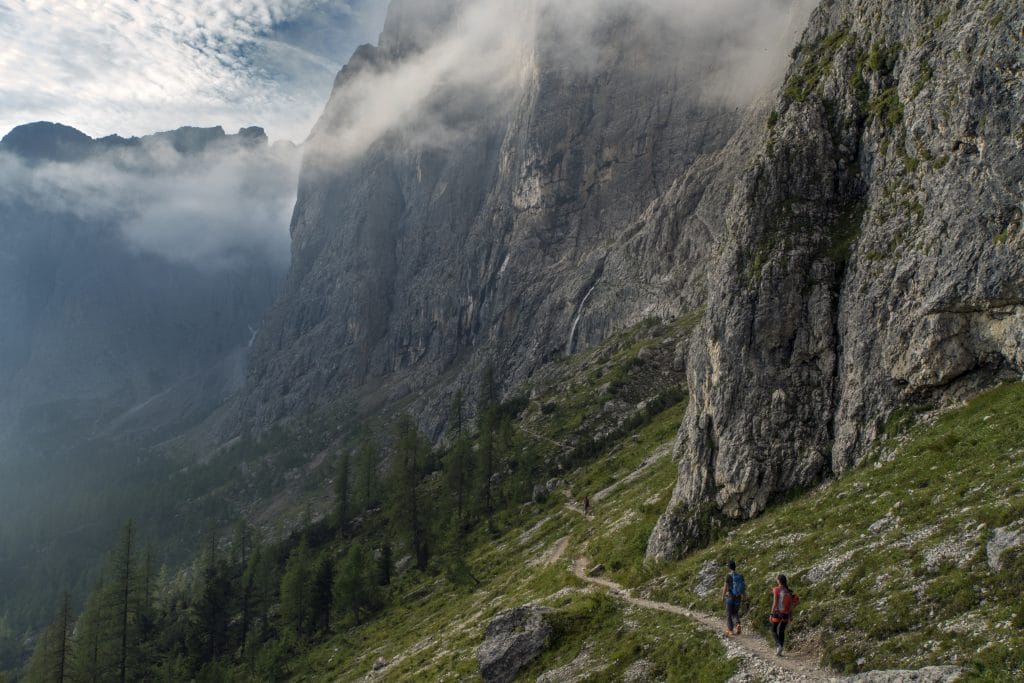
733	593
586	506
783	602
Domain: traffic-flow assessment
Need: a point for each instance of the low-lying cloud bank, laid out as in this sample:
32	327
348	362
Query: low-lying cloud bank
209	208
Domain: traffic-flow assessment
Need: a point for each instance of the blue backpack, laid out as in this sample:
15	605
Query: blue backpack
739	586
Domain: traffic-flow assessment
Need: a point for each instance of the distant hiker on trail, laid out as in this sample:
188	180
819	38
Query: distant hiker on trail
733	593
783	602
586	506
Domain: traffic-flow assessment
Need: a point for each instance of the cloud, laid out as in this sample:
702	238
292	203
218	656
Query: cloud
209	209
487	52
129	67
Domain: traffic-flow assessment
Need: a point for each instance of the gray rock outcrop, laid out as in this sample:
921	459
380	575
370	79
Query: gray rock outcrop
513	639
873	255
1003	539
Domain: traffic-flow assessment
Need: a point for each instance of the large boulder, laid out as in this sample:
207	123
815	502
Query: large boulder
513	639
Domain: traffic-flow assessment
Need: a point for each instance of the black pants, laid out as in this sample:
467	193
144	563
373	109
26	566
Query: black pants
732	614
779	633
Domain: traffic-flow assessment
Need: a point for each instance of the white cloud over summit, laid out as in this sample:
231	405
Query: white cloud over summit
129	67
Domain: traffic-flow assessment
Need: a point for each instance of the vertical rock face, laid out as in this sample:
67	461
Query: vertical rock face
873	256
504	230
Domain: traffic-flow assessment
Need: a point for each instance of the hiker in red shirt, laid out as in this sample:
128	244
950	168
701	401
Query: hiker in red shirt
783	602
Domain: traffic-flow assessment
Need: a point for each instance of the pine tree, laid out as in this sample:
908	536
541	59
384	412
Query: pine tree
384	565
51	659
125	594
248	594
367	456
487	428
93	652
296	583
458	471
343	490
409	512
209	636
323	593
354	589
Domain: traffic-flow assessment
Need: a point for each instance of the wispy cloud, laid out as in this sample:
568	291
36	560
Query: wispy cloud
131	67
733	50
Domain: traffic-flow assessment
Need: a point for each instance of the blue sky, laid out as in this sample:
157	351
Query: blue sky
138	66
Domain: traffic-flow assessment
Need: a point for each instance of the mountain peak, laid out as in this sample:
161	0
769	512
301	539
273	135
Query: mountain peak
47	141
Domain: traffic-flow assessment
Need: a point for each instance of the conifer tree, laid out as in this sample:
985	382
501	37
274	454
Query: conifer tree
458	471
295	590
384	565
93	652
409	510
487	428
367	456
343	489
50	661
323	593
125	594
354	589
210	635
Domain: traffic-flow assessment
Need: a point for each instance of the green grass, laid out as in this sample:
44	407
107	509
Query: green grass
436	636
893	597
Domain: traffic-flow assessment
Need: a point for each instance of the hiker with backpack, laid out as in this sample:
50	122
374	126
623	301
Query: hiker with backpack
733	593
783	602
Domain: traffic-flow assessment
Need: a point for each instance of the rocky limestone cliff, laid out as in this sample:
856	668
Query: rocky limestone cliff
576	204
873	255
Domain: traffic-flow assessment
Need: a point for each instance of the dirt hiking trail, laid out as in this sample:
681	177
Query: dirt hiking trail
758	655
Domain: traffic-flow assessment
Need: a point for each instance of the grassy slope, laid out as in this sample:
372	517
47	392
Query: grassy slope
435	637
911	590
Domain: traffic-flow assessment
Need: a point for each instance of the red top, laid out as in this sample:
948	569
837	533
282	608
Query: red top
783	602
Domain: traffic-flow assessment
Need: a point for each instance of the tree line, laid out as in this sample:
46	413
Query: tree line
245	608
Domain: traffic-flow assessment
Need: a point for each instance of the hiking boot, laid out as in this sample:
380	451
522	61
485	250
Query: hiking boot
738	629
728	632
778	651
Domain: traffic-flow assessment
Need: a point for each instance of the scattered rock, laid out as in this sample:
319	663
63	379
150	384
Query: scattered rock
513	639
931	674
640	671
403	564
827	568
581	668
884	524
379	664
596	571
554	484
1003	539
709	576
958	550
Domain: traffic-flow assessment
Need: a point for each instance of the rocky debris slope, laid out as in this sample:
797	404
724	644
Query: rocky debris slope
932	674
872	259
576	203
